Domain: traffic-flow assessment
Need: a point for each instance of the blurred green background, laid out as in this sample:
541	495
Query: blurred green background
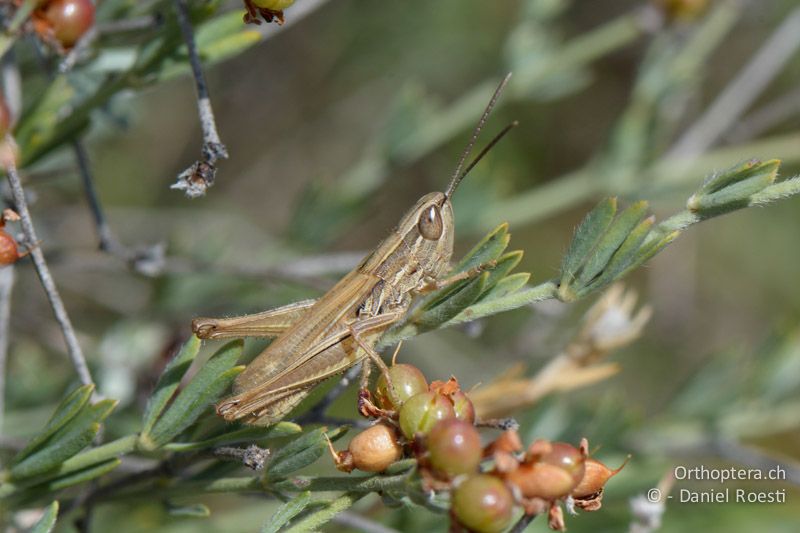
320	120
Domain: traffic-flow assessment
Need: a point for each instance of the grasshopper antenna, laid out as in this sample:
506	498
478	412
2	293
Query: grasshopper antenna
486	149
458	175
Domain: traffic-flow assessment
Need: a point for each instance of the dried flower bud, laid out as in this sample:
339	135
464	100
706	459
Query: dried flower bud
551	470
372	450
508	442
588	495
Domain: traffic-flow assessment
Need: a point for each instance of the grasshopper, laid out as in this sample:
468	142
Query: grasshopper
317	339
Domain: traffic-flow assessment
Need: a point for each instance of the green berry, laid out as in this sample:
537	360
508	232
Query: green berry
454	447
421	412
407	380
483	504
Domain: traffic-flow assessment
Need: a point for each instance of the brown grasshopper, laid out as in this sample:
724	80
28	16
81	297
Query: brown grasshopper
317	339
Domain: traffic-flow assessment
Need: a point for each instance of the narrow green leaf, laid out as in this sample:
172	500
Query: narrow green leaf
611	240
453	305
622	258
649	249
487	249
505	264
586	237
66	411
48	520
314	521
66	442
82	476
197	510
286	512
299	453
248	434
737	173
169	381
505	286
205	388
734	196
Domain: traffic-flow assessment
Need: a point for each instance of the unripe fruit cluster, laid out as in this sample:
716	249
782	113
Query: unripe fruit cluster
436	424
63	22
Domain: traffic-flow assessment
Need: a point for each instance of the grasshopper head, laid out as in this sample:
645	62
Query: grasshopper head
429	232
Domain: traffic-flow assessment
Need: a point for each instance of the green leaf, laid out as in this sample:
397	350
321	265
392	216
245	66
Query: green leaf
734	196
286	512
82	476
744	171
66	411
505	264
299	453
314	521
205	388
487	249
622	258
48	520
248	434
588	234
453	305
197	510
169	381
505	286
617	232
66	442
651	248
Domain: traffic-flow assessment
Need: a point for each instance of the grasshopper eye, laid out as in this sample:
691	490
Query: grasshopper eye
430	223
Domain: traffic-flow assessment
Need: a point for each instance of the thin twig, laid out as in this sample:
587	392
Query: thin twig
106	239
73	347
742	91
196	179
6	285
524	521
361	523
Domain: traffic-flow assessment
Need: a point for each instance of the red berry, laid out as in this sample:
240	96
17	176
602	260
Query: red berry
483	504
9	252
454	447
421	412
69	19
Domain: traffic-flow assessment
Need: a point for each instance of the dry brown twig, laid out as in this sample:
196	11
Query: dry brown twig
56	303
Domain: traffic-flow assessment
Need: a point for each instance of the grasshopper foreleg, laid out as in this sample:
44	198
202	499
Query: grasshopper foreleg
436	284
359	329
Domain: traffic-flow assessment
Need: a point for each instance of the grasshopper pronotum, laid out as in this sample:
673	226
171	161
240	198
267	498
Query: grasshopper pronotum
317	339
